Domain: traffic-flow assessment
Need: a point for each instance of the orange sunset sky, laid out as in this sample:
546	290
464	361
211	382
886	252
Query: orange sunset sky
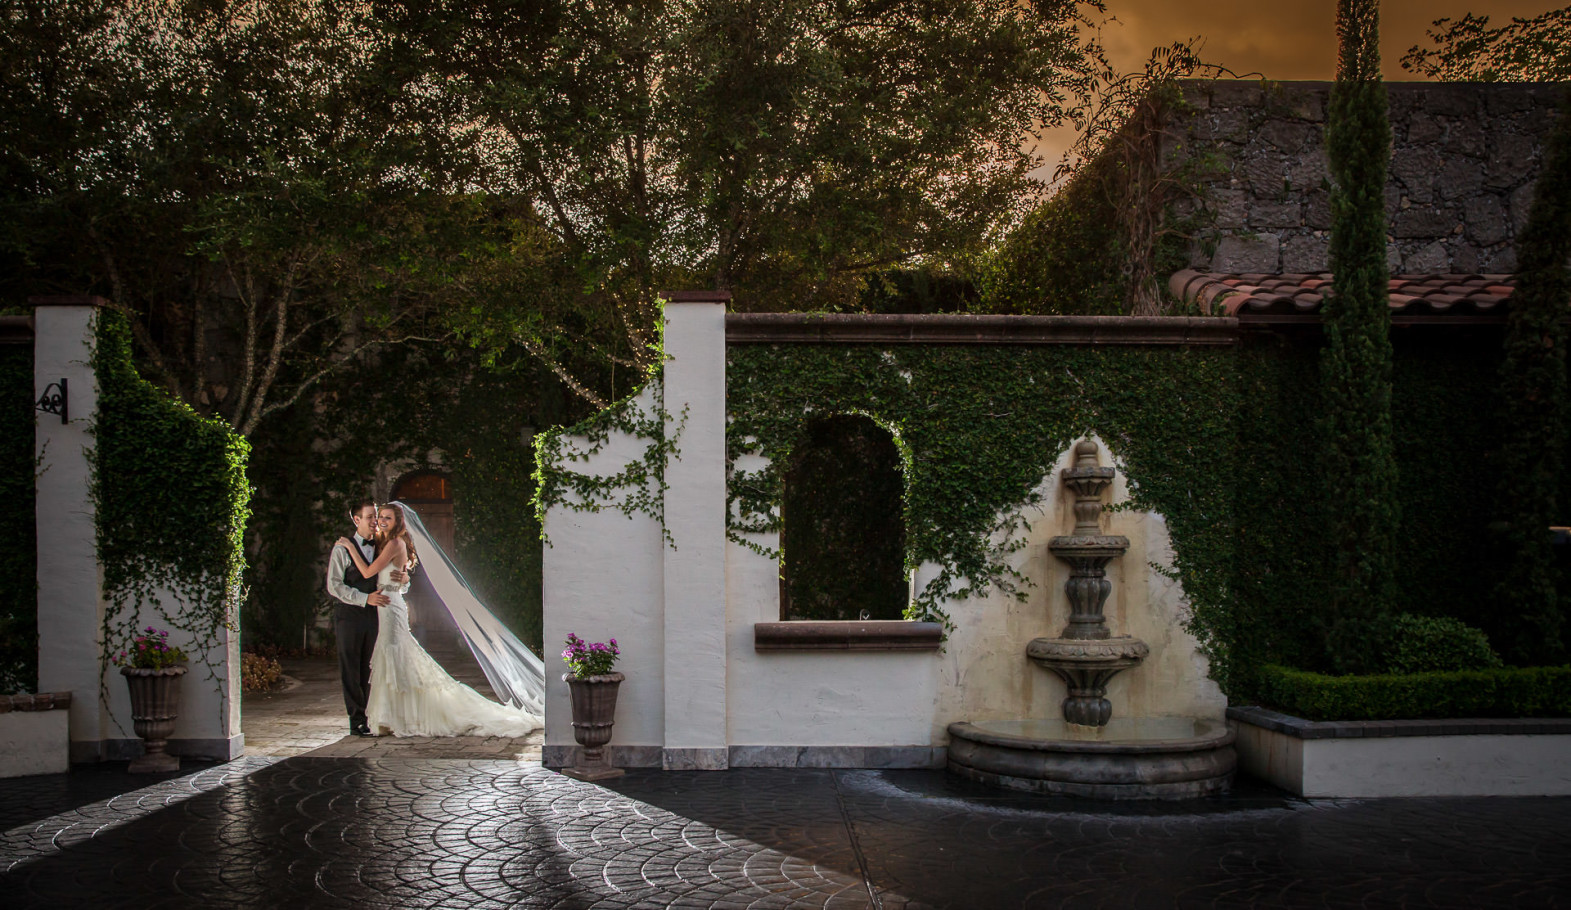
1276	39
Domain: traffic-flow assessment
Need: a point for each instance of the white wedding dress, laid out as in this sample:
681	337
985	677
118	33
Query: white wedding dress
411	695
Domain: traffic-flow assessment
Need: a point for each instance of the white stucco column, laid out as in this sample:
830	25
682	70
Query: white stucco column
602	579
69	609
70	594
695	508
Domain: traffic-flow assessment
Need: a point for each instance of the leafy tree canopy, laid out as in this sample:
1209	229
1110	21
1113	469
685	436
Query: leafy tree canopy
1468	50
228	175
785	149
273	187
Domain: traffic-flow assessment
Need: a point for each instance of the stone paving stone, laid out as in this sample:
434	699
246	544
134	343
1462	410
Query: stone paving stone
314	818
395	831
308	718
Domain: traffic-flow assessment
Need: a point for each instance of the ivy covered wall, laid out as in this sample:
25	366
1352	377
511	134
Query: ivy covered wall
18	546
982	425
1219	441
172	500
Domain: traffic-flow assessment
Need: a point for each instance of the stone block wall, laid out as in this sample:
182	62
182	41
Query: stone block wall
1465	158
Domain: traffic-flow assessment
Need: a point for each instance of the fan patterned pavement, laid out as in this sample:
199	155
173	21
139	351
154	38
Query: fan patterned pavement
402	831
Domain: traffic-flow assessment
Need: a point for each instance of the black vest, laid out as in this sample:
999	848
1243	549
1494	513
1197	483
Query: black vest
353	578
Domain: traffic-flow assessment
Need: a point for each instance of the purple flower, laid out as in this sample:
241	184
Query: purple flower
590	659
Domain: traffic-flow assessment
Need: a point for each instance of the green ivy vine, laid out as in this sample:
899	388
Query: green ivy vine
171	499
979	427
640	486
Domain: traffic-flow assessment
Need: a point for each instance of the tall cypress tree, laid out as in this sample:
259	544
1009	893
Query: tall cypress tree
1533	391
1360	459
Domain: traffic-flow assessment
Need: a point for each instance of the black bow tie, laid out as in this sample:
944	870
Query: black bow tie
367	543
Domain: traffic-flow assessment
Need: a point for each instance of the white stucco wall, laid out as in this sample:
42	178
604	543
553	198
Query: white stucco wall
1386	766
816	698
1478	765
209	723
685	614
604	578
34	742
69	612
694	572
70	606
906	698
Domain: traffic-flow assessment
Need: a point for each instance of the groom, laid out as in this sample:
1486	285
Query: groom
354	618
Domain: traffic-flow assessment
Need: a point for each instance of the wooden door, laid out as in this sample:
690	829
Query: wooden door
431	496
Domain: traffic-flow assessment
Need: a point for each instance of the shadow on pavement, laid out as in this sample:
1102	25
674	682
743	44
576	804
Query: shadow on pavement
29	800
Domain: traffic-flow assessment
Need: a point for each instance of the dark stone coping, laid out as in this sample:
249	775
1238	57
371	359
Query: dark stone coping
43	701
1210	735
947	328
853	635
1371	729
619	756
16	330
919	756
696	296
68	300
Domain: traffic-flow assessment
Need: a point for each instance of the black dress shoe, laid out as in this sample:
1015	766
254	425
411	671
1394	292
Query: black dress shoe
359	731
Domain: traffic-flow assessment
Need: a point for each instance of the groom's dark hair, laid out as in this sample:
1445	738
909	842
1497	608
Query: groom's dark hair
361	505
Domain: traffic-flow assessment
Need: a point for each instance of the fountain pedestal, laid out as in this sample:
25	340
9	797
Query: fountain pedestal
1086	668
1088	753
1086	655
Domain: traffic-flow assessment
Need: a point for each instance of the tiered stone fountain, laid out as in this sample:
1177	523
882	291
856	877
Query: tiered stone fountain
1088	752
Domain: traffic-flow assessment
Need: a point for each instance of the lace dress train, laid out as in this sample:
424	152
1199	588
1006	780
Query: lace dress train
412	695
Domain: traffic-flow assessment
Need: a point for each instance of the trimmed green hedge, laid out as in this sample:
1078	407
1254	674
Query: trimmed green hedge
1437	644
1509	692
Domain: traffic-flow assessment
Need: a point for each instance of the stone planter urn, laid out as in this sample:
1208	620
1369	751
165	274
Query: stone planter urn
155	702
594	711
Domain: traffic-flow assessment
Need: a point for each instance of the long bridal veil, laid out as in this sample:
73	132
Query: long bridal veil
515	673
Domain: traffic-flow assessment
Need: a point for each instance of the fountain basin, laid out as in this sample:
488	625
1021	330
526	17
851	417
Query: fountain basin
1129	758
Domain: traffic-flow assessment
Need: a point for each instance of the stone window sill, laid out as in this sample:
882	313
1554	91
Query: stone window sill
854	635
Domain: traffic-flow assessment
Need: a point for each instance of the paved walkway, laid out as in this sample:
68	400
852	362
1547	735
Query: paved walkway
398	825
307	717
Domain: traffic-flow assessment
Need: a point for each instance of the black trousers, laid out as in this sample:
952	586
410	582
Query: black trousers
356	628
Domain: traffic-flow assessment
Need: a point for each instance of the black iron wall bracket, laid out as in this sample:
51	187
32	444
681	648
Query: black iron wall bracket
53	401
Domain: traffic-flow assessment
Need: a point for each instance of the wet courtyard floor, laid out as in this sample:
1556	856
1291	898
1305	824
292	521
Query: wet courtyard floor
317	819
422	832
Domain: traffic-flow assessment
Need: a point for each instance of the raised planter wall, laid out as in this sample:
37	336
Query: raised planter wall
35	734
1483	757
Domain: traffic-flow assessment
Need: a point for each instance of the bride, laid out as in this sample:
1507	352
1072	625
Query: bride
411	695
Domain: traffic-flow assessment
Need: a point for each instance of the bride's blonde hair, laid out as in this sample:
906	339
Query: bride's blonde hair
398	531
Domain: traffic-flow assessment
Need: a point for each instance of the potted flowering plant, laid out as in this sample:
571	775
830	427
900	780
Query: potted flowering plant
152	668
593	687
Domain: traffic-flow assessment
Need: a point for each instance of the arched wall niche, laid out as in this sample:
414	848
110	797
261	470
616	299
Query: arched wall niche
843	523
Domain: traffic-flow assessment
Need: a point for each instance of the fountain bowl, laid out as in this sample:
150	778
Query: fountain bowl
1129	758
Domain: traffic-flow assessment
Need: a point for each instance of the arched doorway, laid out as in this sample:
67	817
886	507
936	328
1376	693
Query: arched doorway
430	494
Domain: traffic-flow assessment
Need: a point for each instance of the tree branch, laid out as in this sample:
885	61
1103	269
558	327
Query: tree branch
561	372
280	335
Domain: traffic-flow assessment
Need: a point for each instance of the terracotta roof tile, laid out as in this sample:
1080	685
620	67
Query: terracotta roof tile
1413	297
